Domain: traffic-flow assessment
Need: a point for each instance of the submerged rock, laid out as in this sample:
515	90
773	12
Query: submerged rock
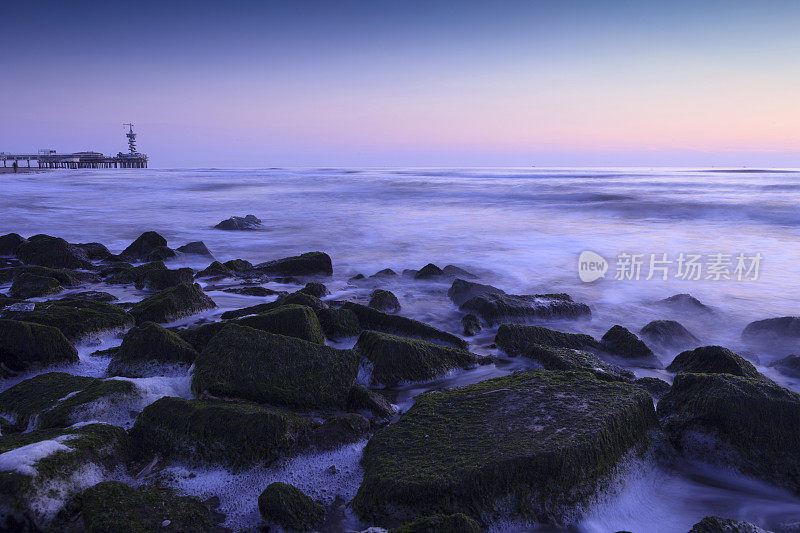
76	318
750	424
429	271
251	290
789	366
457	272
316	289
535	443
385	273
52	252
384	301
176	302
144	244
291	320
552	358
440	523
715	524
288	507
668	333
247	222
195	248
362	399
685	303
781	328
338	324
514	339
307	264
215	269
713	360
396	359
247	363
32	286
27	346
146	348
9	243
461	291
471	324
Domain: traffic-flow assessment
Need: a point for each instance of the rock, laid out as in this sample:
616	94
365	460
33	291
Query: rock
230	433
195	248
97	296
199	336
146	348
471	324
440	523
361	399
33	286
76	318
338	430
52	466
668	333
9	243
12	304
357	277
497	309
461	291
384	301
385	273
252	291
296	321
248	222
515	339
789	366
216	269
288	507
173	303
52	252
316	289
655	386
373	319
254	365
238	265
429	271
295	298
534	444
395	360
112	268
715	524
780	329
750	424
114	506
713	360
552	358
26	346
67	278
685	303
95	251
338	324
307	264
457	272
56	399
139	275
161	253
620	341
143	245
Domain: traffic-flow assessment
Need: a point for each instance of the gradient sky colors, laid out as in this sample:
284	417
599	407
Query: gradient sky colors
377	83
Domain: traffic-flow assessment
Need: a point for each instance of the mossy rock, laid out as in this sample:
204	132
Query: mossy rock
316	289
669	333
173	303
252	290
95	251
364	400
27	346
338	430
373	319
750	424
56	399
295	298
32	286
655	386
789	366
199	336
238	265
288	507
685	303
143	245
159	254
112	506
255	365
499	308
715	524
338	324
154	275
429	271
307	264
471	324
291	320
66	278
514	339
9	243
52	252
620	341
440	523
780	328
537	443
52	465
385	273
232	433
215	269
395	359
124	273
75	317
145	345
552	358
195	248
714	360
384	301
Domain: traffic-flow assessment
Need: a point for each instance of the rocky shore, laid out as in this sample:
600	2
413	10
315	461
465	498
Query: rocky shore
299	372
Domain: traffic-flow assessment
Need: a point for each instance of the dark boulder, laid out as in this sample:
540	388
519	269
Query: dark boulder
440	523
97	296
251	290
238	265
32	286
668	333
496	309
620	341
146	348
385	273
296	321
336	431
307	264
143	245
338	324
471	324
384	301
715	524
361	399
655	386
514	339
95	251
685	303
429	271
247	222
161	253
457	272
788	366
316	289
9	243
26	346
295	298
76	318
461	291
199	336
552	358
713	360
195	248
181	300
357	277
52	252
288	507
781	328
216	269
66	278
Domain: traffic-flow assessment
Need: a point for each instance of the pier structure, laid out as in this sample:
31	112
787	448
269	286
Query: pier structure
50	159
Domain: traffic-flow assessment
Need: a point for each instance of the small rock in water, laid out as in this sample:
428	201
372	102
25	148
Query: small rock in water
195	248
248	222
166	523
471	324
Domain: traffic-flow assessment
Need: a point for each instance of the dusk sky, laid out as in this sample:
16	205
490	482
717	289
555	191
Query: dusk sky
374	83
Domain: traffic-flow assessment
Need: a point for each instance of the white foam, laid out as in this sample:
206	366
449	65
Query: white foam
23	459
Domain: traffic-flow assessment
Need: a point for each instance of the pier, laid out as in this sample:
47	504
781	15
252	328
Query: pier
51	159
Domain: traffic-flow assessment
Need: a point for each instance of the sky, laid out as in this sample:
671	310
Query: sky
407	83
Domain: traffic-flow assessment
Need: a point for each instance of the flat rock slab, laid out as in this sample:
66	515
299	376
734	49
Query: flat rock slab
536	443
75	318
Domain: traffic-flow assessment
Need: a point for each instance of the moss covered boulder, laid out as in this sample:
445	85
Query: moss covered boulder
552	358
295	298
161	253
338	324
9	243
669	333
498	308
440	523
27	346
750	424
714	360
655	386
288	507
41	470
195	248
361	399
307	264
316	289
146	348
622	342
66	278
788	366
154	275
199	336
33	286
112	506
53	252
536	443
215	269
370	318
715	524
393	359
384	301
57	399
144	244
173	303
238	265
75	317
255	365
429	271
296	321
471	324
514	339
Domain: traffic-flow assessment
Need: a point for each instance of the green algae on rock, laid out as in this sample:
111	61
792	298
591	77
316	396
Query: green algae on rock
534	443
291	320
143	245
215	269
199	336
338	324
384	301
715	524
362	399
75	317
145	345
52	252
714	360
295	298
32	286
307	264
176	302
669	333
620	341
552	358
440	523
514	339
26	345
289	507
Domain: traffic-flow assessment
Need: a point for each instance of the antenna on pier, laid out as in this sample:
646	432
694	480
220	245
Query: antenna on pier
131	139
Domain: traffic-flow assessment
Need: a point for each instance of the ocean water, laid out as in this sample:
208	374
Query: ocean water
521	229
